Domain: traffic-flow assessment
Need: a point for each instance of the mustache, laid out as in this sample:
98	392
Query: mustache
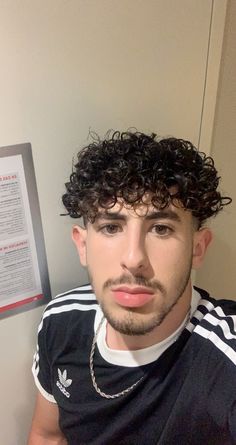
137	280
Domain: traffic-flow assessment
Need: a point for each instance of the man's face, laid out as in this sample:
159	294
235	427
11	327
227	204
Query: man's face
139	261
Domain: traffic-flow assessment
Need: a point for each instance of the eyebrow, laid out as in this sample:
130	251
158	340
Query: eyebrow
164	214
159	214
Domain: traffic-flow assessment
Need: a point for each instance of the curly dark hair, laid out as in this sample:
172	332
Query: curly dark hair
128	165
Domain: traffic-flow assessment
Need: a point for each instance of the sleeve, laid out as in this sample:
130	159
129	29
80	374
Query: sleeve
41	368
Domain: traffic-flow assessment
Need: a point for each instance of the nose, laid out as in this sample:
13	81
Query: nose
134	254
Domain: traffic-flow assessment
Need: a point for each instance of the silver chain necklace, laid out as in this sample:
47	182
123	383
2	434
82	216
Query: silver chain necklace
91	367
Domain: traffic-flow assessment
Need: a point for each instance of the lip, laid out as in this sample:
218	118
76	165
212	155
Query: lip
132	297
133	290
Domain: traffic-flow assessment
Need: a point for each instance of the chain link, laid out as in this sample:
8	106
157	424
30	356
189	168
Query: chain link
91	367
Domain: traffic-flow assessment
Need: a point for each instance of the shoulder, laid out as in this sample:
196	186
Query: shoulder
222	309
215	321
68	305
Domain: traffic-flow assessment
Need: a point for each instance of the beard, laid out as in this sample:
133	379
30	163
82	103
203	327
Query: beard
136	321
132	324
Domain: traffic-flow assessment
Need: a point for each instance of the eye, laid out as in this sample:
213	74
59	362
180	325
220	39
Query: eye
110	229
162	230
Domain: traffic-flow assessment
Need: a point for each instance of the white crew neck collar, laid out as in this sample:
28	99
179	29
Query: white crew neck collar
139	357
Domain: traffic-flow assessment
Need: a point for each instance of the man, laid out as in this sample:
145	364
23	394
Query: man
149	360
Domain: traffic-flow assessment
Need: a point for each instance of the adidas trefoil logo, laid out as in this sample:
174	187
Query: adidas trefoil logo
64	382
63	378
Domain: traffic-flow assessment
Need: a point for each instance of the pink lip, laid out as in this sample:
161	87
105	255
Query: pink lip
133	290
132	297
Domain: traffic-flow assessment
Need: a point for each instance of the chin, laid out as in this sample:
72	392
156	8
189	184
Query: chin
133	323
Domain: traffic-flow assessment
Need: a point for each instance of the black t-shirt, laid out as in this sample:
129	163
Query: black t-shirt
187	391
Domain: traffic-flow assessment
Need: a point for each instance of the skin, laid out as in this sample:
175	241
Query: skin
157	249
45	428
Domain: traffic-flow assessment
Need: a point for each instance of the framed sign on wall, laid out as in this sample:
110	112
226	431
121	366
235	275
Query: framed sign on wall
24	279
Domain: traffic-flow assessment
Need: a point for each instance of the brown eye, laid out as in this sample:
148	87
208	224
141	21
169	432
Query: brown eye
110	229
161	230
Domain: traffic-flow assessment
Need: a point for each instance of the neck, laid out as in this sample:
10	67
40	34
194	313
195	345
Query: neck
118	341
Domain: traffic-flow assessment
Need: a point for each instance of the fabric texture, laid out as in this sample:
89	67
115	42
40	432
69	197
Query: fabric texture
187	394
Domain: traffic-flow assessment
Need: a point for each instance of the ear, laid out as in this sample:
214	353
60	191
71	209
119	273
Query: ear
79	235
201	241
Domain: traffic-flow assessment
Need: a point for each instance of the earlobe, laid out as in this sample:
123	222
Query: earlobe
202	239
79	235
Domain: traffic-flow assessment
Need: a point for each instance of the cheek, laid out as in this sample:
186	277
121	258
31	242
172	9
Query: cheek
102	248
101	258
172	250
170	255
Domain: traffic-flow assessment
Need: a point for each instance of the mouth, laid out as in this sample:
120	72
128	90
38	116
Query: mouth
132	296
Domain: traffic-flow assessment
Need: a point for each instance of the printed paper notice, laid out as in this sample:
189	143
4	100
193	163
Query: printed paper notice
19	272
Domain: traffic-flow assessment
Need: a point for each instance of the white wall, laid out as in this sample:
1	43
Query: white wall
66	66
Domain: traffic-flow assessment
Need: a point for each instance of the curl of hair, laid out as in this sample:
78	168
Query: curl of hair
129	165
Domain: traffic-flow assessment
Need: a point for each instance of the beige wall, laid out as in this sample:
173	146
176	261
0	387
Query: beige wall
218	275
70	65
